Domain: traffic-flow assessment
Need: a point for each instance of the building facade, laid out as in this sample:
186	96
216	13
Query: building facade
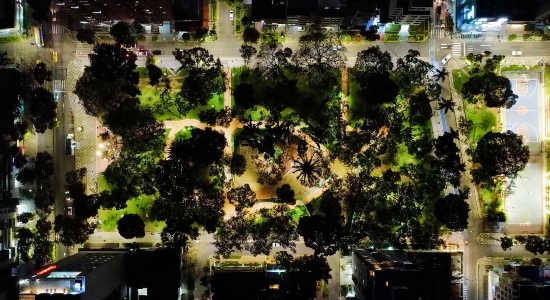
107	12
300	13
511	286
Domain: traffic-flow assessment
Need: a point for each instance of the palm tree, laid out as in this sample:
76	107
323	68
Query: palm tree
309	169
447	105
454	133
441	74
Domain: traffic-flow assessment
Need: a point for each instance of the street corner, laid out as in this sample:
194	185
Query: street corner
489	238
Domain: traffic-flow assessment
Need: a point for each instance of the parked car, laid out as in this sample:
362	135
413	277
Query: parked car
142	52
231	15
446	59
516	52
486	53
156	52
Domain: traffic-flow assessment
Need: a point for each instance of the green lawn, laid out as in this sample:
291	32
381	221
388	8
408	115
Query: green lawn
143	73
484	120
459	78
256	113
102	184
297	212
403	156
513	68
140	205
184	133
216	102
354	103
547	80
393	28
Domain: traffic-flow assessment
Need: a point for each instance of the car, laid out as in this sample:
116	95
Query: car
156	52
54	56
231	15
301	28
336	48
446	59
486	53
130	46
446	46
69	210
142	52
516	52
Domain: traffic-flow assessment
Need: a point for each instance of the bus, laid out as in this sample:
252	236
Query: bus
38	38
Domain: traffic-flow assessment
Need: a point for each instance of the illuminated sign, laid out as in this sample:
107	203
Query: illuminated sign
46	270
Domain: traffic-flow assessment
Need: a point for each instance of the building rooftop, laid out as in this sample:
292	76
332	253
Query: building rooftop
514	10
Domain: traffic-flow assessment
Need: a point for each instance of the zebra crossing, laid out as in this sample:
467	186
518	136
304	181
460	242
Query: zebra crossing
59	85
464	292
438	32
457	50
83	49
469	49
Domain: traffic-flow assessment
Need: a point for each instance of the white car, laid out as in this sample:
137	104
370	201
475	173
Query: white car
516	53
446	59
231	15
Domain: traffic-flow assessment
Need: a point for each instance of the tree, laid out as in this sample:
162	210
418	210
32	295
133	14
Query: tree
373	60
5	60
201	83
112	63
25	217
506	243
73	183
494	90
40	10
452	210
319	52
41	73
44	166
378	88
20	160
86	35
72	230
244	95
411	68
441	74
86	206
324	231
43	110
309	169
537	262
25	239
186	36
242	197
420	108
131	226
251	35
115	198
447	104
371	34
499	154
316	266
155	73
138	127
237	164
125	33
44	197
272	60
247	52
203	147
285	194
27	175
201	33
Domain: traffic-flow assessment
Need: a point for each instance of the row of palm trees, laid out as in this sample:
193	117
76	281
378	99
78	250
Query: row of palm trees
445	104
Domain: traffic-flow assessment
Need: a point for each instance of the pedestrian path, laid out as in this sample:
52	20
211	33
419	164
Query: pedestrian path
59	85
83	49
457	50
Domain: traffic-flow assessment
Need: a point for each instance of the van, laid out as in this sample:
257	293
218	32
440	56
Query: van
70	144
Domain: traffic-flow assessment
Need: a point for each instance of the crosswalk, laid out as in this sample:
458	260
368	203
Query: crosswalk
457	50
59	85
438	32
83	49
464	292
469	49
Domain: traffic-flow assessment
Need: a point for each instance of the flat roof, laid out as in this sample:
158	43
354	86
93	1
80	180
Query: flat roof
82	263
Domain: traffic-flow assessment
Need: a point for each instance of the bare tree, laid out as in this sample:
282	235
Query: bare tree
320	51
273	59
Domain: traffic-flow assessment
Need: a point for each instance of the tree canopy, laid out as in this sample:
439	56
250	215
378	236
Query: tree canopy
131	226
202	148
494	90
251	35
499	154
452	210
125	33
86	35
43	110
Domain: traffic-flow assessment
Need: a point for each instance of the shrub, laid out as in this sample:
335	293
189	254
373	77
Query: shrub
155	38
512	37
9	39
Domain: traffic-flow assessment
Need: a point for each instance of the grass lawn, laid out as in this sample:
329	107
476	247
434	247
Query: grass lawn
403	156
236	76
143	73
459	78
297	212
547	157
547	80
216	102
102	184
256	113
513	68
140	205
484	120
184	133
354	102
